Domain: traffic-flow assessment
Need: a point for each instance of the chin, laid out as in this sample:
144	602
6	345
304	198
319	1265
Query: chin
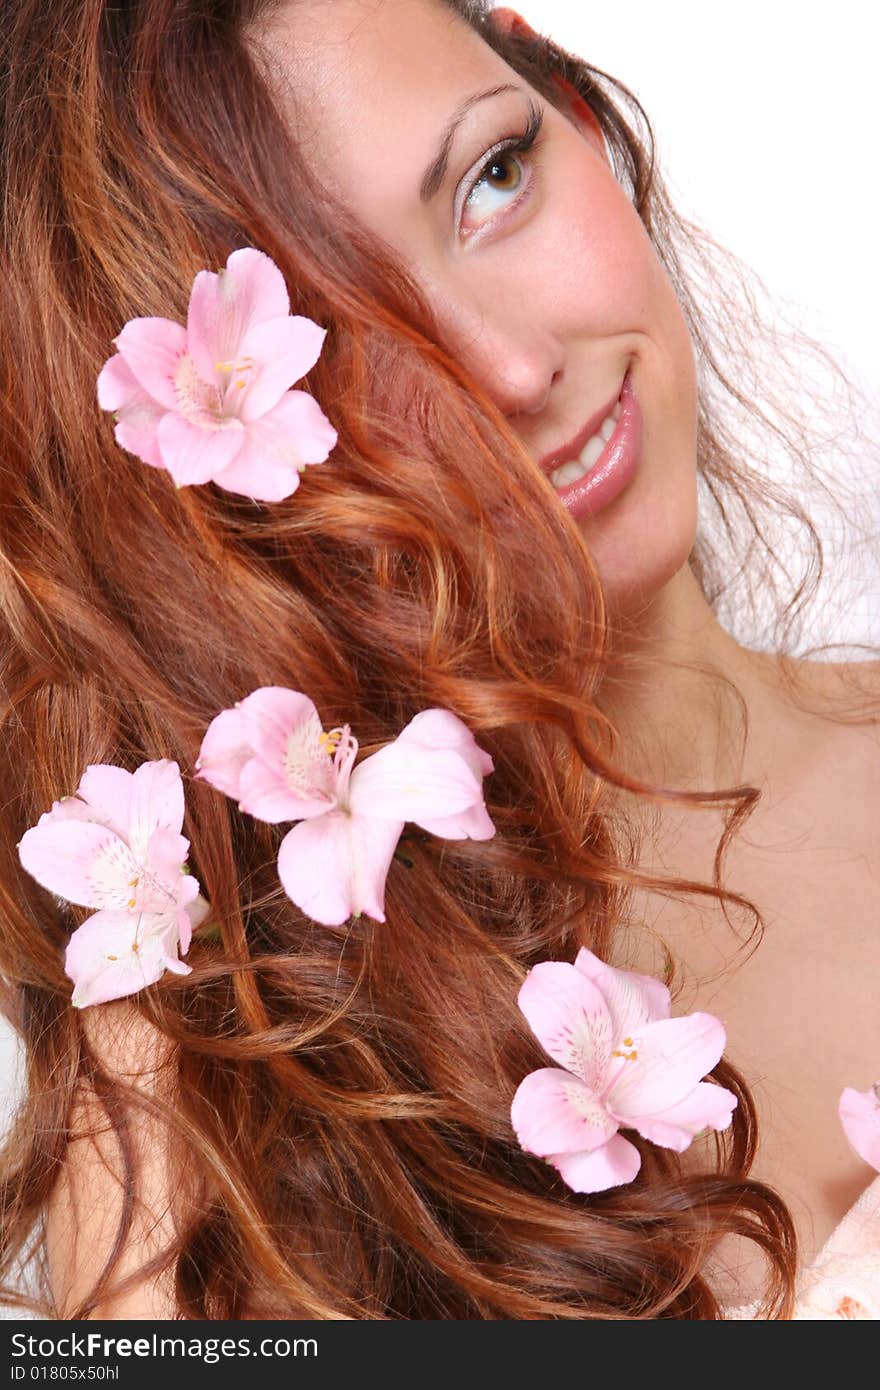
645	538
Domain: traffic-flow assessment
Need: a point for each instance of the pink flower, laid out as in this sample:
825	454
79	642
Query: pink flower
210	402
628	1065
114	954
116	845
271	755
860	1116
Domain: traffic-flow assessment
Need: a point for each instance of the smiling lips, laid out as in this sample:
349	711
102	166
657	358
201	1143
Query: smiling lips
573	450
590	454
608	460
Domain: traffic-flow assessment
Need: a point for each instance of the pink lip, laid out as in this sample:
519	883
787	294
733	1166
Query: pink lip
616	465
571	450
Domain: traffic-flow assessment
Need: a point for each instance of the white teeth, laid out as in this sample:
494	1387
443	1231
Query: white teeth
567	473
590	454
592	451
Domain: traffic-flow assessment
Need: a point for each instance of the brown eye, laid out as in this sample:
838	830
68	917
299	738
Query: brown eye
503	173
501	178
496	170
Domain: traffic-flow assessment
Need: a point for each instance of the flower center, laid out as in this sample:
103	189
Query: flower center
631	1056
205	403
238	372
305	760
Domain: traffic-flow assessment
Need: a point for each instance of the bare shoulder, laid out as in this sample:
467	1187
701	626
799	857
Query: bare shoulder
845	693
842	754
854	674
128	1045
83	1212
855	687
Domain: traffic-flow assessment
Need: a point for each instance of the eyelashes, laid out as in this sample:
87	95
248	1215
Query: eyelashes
514	145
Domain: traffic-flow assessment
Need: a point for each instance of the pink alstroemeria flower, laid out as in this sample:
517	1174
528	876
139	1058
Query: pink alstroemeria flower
114	954
272	756
860	1116
628	1065
210	401
116	845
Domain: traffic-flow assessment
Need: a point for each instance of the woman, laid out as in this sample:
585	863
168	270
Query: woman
336	1105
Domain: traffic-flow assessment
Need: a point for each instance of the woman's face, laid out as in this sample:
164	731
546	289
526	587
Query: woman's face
541	274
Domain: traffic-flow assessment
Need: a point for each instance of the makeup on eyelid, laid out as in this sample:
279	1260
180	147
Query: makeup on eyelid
513	145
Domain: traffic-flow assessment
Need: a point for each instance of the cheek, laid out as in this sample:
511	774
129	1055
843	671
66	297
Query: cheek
606	278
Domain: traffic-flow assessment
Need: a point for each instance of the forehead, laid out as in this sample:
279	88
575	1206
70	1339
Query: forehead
370	85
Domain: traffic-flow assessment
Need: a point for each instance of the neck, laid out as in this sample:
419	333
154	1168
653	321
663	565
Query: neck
681	727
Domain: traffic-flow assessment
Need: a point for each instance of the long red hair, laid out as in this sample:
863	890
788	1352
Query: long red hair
340	1097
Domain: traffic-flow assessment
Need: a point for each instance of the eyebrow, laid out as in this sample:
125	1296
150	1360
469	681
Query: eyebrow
435	173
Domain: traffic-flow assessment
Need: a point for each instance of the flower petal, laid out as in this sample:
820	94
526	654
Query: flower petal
156	803
473	824
283	350
860	1116
707	1107
335	865
172	962
71	808
284	729
101	959
614	1164
190	917
408	782
118	386
553	1111
166	885
107	790
569	1018
138	414
270	715
195	453
441	728
662	1063
436	729
278	447
81	861
225	750
137	431
225	304
264	794
152	348
170	940
632	999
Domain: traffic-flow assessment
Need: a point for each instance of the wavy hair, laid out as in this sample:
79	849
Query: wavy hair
338	1098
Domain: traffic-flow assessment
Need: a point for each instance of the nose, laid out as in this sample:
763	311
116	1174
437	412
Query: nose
516	362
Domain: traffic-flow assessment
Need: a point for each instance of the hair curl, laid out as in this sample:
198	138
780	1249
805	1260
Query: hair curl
339	1099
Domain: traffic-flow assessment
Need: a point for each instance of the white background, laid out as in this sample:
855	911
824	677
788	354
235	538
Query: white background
767	134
